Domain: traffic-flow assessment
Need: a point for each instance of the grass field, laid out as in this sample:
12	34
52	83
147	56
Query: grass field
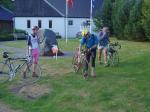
118	89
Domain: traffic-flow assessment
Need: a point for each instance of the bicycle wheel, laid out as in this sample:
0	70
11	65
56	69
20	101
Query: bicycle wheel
109	58
26	74
84	68
115	59
4	72
75	64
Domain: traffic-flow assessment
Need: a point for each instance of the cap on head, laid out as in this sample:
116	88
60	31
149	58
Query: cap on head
35	28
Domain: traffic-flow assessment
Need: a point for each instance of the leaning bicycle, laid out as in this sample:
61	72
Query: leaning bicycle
14	67
112	54
79	62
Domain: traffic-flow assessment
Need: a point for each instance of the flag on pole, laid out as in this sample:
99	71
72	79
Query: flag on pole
70	3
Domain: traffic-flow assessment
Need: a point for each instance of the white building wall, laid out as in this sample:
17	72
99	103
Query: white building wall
58	24
76	27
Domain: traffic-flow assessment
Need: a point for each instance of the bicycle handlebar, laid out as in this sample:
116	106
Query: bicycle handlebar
115	44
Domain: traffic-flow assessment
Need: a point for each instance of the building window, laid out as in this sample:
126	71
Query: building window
88	22
28	24
39	23
50	23
70	22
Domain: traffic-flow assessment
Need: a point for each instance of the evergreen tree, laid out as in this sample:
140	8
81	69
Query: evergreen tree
7	3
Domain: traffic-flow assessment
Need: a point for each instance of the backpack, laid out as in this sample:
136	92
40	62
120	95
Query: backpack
29	40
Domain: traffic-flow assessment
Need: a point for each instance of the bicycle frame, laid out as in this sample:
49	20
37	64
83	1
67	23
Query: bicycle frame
13	68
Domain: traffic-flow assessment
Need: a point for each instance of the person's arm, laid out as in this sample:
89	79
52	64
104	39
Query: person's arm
101	36
81	44
29	45
95	42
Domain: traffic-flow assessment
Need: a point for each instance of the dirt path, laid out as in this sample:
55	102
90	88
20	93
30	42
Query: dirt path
5	108
18	52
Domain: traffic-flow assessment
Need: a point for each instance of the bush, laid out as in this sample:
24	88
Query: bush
20	31
145	21
127	19
58	37
6	37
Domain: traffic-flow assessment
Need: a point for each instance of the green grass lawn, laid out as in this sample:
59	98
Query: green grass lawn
118	89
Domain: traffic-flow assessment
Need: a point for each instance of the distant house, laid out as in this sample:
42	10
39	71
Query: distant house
50	14
6	20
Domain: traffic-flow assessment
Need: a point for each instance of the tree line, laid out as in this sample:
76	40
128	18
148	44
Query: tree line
127	19
8	4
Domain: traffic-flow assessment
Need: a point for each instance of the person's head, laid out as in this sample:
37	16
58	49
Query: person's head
35	29
85	33
105	29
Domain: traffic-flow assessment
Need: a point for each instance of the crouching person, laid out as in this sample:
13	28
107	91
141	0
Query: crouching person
90	41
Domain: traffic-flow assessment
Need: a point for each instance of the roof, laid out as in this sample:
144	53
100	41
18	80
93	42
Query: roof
80	9
6	14
34	8
55	8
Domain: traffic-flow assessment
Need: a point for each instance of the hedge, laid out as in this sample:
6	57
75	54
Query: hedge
6	37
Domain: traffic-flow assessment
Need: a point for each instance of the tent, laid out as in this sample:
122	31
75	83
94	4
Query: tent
48	40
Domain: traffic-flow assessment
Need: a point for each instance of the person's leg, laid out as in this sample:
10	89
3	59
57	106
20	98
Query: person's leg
93	58
88	64
105	55
35	61
99	54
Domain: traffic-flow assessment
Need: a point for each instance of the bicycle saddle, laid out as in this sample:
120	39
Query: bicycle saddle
5	55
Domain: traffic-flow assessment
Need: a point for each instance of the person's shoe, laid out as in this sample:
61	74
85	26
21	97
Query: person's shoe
85	75
34	74
99	62
93	76
106	65
24	75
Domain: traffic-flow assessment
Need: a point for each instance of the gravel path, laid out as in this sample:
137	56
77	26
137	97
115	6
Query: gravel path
18	52
4	108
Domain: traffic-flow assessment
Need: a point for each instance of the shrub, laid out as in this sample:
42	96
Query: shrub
20	31
6	37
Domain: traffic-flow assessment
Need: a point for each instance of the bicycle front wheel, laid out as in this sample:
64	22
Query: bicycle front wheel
4	72
115	59
84	67
27	75
75	64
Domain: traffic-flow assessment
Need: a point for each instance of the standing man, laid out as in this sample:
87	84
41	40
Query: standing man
103	39
33	50
90	41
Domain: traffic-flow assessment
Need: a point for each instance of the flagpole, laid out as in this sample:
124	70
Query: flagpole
66	23
91	17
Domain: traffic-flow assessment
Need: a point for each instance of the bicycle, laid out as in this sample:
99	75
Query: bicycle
112	54
8	69
79	62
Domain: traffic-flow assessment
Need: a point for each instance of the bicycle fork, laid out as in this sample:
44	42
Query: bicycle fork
13	71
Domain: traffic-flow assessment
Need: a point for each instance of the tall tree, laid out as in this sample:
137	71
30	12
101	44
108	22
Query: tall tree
145	20
103	17
7	3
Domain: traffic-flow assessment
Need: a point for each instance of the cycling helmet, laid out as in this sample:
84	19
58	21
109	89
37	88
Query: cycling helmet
84	32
